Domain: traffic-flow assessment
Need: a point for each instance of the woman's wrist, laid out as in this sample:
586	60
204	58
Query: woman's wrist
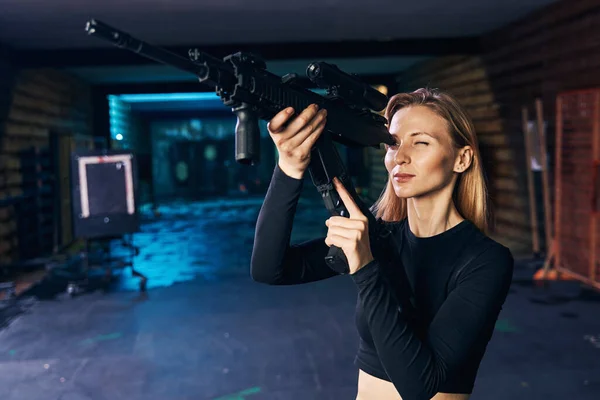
289	170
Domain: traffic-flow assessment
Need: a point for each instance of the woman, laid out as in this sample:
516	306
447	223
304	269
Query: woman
435	207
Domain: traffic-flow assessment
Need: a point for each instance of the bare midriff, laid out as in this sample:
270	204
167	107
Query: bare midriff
373	388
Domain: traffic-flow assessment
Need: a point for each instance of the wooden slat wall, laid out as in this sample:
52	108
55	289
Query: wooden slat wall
33	103
7	223
555	49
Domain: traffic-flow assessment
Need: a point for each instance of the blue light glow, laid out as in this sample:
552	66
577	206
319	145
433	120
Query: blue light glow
161	97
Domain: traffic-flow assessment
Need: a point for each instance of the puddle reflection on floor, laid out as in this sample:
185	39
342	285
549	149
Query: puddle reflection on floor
207	240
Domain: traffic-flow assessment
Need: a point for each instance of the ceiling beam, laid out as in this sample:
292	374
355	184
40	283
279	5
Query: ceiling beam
112	56
190	87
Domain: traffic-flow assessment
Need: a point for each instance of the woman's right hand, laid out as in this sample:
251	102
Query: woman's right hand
294	140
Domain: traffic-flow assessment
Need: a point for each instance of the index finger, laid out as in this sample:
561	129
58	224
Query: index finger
351	206
279	119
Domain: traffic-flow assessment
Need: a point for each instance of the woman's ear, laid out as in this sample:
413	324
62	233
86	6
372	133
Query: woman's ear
464	158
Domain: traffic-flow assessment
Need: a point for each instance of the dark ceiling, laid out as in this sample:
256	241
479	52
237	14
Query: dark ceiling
43	24
375	37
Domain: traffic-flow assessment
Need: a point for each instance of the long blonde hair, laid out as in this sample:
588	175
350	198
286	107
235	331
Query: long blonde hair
470	194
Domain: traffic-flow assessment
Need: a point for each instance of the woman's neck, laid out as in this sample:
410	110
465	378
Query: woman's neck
432	215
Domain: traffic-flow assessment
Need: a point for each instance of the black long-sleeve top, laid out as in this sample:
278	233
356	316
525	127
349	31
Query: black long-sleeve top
458	281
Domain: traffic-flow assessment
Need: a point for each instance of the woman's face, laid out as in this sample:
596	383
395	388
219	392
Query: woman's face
423	160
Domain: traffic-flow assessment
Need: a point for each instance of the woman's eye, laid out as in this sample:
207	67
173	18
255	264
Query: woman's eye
425	143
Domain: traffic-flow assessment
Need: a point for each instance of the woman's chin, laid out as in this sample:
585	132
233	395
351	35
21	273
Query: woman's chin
403	193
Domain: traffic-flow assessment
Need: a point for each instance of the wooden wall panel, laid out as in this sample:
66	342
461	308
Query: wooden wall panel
7	222
35	105
554	49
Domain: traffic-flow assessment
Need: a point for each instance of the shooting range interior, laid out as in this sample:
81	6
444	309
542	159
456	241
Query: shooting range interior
127	222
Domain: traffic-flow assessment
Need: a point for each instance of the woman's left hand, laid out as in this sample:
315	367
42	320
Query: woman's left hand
350	234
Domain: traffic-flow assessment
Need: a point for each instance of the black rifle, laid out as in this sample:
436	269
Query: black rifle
243	83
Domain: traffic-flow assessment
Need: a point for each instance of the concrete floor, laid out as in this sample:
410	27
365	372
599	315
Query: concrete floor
204	330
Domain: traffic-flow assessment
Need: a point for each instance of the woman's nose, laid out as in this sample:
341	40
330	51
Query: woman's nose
401	156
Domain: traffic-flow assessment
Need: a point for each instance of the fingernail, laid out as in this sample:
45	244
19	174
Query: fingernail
289	110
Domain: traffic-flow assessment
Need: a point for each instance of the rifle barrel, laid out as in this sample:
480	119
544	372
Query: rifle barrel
123	40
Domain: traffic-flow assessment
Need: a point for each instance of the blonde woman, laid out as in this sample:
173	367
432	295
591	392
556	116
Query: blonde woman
435	205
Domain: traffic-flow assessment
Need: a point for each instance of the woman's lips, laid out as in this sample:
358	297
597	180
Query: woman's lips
403	177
